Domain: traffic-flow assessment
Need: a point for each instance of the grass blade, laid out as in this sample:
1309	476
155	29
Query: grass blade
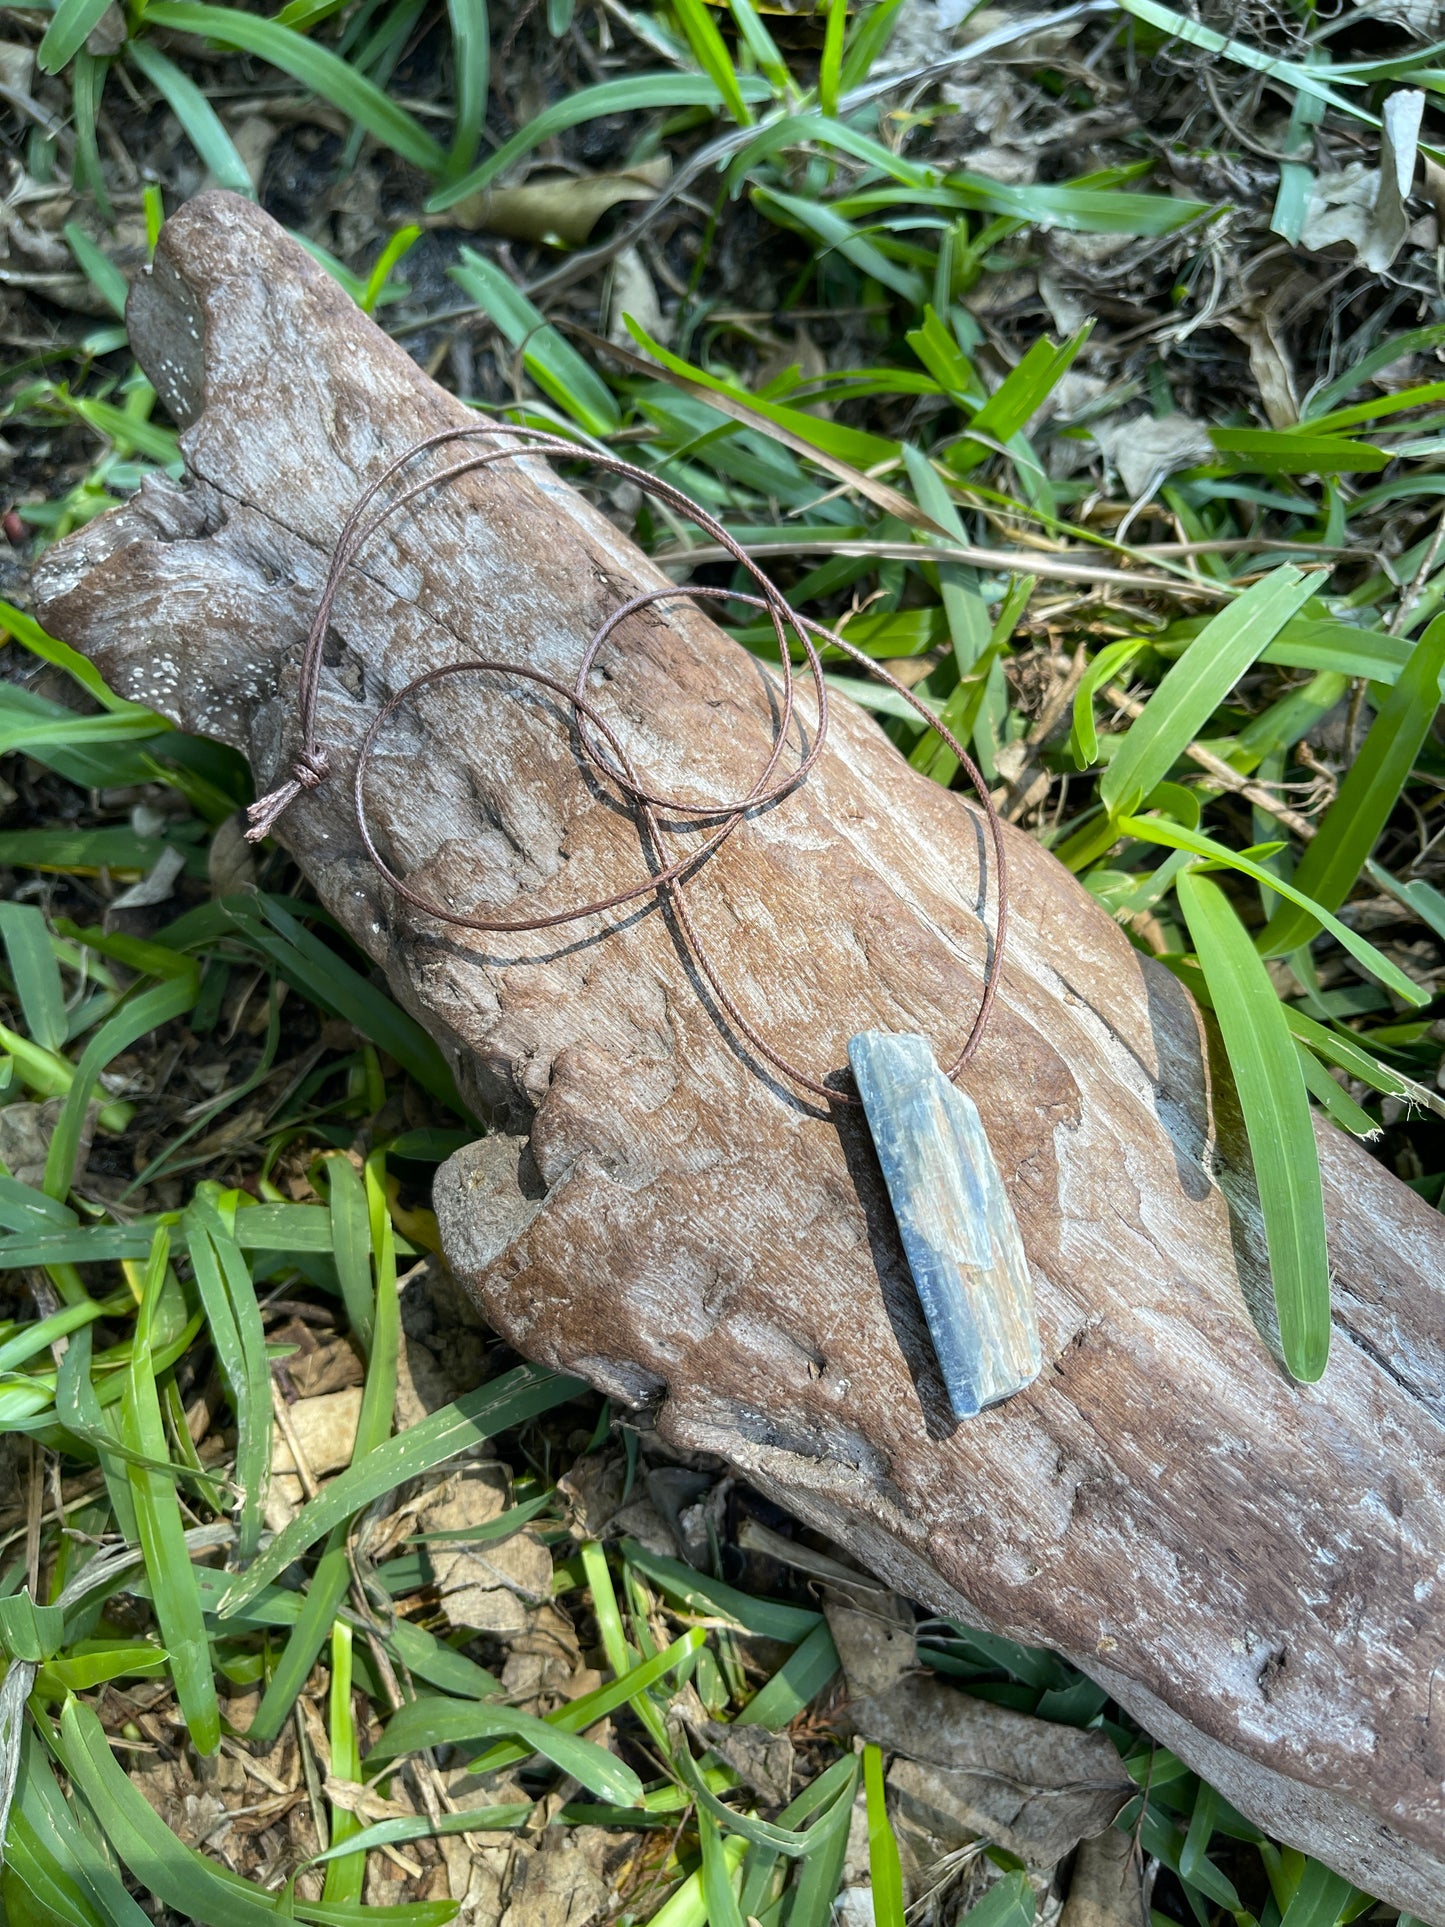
710	52
620	1656
640	94
69	29
87	86
391	1833
870	33
450	1722
1196	685
52	1818
160	1528
198	1889
35	973
1275	1103
396	249
1369	793
98	268
346	1872
518	1395
1174	836
719	1875
332	1576
1337	1104
471	72
123	1028
25	630
79	1411
200	122
830	67
821	1873
556	367
688	1907
830	232
713	1598
797	1682
775	1836
224	1282
885	1871
760	43
1299	79
316	970
438	1722
351	1246
315	67
56	1896
1008	1903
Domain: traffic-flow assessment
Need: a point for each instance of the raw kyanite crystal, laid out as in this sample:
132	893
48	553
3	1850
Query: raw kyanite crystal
959	1232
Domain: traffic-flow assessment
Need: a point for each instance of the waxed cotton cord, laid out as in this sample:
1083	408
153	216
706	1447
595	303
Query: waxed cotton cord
598	741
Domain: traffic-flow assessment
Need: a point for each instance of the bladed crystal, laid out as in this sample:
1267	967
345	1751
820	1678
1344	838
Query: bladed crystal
959	1233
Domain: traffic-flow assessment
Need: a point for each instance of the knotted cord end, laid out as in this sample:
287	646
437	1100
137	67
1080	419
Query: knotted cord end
310	770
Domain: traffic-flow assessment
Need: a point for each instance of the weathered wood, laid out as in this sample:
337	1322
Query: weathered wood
1254	1568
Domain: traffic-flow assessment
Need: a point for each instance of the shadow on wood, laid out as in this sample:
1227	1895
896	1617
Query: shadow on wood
1252	1568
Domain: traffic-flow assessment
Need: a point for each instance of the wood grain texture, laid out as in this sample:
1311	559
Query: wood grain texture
1254	1568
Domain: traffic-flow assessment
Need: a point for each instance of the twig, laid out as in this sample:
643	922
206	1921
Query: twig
1063	568
1418	580
1222	773
34	1513
293	1443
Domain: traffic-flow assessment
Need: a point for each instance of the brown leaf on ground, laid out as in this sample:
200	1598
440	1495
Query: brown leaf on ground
967	1769
329	1367
593	1491
1105	1890
25	1134
325	1430
559	210
488	1586
443	1352
559	1883
763	1760
874	1636
544	1660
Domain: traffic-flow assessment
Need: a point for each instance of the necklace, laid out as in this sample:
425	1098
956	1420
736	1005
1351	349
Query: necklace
958	1231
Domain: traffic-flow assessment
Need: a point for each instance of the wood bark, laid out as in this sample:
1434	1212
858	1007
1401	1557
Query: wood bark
1253	1568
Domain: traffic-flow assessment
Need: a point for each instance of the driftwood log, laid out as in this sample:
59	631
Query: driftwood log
1253	1568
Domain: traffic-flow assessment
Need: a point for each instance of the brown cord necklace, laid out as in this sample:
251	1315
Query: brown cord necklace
958	1231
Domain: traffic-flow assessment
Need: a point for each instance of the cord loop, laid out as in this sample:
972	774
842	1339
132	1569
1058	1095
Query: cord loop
599	743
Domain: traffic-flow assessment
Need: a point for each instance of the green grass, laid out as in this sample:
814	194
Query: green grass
925	493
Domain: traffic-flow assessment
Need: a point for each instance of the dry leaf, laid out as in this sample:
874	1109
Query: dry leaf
157	885
325	1430
556	1885
1399	144
593	1491
108	35
1270	364
25	1133
485	1586
319	1369
968	1769
875	1641
630	291
1146	449
1105	1890
17	66
231	860
559	210
762	1760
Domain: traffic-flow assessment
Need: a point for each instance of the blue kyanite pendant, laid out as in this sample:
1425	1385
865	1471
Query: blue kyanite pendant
959	1233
